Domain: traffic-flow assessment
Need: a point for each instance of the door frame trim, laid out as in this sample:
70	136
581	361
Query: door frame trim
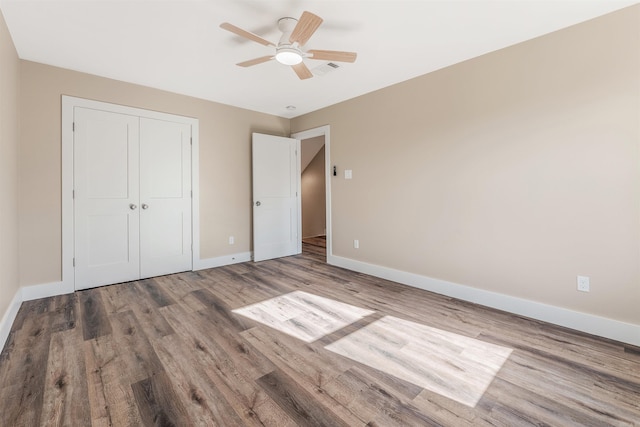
312	133
68	104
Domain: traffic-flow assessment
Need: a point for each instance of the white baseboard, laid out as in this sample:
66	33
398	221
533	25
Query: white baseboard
61	288
45	290
222	260
9	317
589	323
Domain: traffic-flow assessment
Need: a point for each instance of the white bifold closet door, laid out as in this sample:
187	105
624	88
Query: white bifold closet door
132	197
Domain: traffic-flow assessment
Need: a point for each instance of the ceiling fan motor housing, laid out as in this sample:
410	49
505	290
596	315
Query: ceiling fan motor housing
286	25
288	53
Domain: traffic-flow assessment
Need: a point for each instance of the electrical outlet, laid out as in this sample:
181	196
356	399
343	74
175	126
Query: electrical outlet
232	240
356	244
583	283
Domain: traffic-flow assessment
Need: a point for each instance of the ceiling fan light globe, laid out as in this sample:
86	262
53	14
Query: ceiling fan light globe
288	56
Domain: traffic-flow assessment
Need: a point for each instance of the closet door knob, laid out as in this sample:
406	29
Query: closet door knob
145	206
132	207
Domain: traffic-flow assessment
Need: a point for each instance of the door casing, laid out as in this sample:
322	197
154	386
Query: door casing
326	132
68	105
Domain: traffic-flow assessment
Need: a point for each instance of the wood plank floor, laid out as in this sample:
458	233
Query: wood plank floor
178	351
316	245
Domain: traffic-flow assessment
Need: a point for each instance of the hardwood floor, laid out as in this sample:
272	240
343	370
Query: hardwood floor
297	342
316	245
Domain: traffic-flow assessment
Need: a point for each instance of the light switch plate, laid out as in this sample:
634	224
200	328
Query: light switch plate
348	174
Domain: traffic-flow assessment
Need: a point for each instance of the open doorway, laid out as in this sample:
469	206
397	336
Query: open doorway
313	192
323	143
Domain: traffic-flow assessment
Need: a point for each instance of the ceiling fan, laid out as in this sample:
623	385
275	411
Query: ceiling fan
289	50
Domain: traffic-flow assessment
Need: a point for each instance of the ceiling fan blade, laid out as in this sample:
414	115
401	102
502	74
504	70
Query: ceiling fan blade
333	55
245	34
304	29
255	61
302	71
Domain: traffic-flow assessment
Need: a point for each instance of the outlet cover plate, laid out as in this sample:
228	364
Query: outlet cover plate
583	283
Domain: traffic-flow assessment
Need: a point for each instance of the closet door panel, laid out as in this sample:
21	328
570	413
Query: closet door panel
106	194
165	197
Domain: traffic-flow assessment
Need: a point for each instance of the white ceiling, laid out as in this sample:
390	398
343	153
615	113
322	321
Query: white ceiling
178	46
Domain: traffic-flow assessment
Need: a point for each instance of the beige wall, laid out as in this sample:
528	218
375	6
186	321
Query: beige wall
225	162
9	85
512	172
313	197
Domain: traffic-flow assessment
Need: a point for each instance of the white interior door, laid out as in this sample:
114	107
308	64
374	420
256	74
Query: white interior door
132	197
165	197
106	186
276	204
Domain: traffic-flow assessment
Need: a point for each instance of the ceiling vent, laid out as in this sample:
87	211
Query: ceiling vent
323	69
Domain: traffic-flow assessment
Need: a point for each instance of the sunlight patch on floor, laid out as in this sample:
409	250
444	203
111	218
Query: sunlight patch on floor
302	315
452	365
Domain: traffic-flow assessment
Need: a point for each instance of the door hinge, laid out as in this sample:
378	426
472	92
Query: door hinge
73	194
191	140
74	262
192	194
73	127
